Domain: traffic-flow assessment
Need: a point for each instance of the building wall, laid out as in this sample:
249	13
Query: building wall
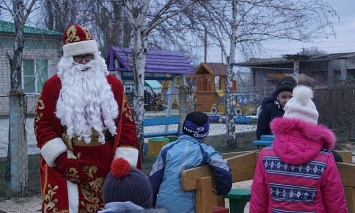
35	48
325	73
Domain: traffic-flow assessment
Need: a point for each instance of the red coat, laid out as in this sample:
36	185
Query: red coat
57	192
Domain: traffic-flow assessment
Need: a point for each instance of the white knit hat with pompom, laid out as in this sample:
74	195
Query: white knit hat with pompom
301	106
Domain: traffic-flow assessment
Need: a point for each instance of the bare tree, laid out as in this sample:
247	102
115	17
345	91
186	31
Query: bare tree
106	20
244	25
20	13
112	25
145	16
58	14
312	51
17	149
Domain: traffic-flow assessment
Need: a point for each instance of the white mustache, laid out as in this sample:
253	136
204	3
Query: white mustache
85	67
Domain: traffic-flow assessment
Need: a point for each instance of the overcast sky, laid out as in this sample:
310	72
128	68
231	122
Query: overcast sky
344	29
344	41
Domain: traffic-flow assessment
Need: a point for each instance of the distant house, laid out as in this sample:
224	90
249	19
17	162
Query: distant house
325	70
40	57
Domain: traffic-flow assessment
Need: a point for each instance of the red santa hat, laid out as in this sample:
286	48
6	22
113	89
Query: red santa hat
78	40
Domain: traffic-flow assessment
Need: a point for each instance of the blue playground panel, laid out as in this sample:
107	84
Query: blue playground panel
265	140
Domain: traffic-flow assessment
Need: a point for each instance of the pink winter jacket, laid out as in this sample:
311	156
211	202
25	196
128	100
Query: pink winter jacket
298	173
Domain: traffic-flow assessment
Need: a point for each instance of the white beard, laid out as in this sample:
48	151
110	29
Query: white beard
86	100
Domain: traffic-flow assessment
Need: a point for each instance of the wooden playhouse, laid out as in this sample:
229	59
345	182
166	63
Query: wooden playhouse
210	86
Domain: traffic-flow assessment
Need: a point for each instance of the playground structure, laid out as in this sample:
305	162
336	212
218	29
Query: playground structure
243	165
160	65
210	87
167	90
209	80
241	104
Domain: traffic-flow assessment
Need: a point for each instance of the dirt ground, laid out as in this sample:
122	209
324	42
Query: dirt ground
21	205
33	204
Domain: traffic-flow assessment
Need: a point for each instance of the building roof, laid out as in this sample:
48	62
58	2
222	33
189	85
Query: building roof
157	61
8	27
216	69
282	60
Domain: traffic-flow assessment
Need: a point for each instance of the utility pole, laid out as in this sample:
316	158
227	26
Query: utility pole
297	58
205	45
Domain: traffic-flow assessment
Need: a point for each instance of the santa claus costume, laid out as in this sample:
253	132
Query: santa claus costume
82	122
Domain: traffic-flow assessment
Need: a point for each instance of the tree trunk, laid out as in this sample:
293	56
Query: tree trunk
139	59
231	135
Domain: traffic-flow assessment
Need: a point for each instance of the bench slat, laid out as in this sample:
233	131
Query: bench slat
159	121
158	134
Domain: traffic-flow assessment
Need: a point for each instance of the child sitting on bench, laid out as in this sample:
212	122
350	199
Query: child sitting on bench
187	152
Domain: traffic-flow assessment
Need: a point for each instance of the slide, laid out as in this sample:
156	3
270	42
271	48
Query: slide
220	92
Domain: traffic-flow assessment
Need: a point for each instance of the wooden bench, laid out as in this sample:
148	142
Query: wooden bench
243	165
201	179
162	121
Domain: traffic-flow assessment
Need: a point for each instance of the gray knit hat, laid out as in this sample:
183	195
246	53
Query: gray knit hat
126	183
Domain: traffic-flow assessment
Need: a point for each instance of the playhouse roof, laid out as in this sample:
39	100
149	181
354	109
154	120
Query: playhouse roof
158	61
216	69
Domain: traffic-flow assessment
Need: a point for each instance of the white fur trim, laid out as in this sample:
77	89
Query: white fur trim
79	48
52	149
129	154
73	197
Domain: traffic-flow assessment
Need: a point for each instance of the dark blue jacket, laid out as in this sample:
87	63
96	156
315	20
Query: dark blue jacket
270	109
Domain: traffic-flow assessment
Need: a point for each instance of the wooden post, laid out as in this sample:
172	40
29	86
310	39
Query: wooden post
18	143
203	195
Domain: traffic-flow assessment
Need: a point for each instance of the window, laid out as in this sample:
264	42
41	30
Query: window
234	85
34	74
337	75
351	74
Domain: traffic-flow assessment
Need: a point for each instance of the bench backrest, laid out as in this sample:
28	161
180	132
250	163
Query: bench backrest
201	179
347	174
161	121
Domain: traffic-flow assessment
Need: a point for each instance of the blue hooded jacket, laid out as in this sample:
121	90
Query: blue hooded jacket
185	153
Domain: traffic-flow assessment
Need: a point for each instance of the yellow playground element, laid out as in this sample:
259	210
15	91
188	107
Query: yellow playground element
241	106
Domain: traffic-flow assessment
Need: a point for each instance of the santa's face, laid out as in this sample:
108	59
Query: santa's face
86	100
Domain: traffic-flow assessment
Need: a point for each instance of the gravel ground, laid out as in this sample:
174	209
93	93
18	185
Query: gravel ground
21	205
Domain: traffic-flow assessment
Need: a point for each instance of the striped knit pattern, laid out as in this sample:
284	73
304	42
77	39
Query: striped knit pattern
306	179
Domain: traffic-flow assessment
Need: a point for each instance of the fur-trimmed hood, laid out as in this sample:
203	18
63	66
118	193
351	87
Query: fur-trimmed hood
297	142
